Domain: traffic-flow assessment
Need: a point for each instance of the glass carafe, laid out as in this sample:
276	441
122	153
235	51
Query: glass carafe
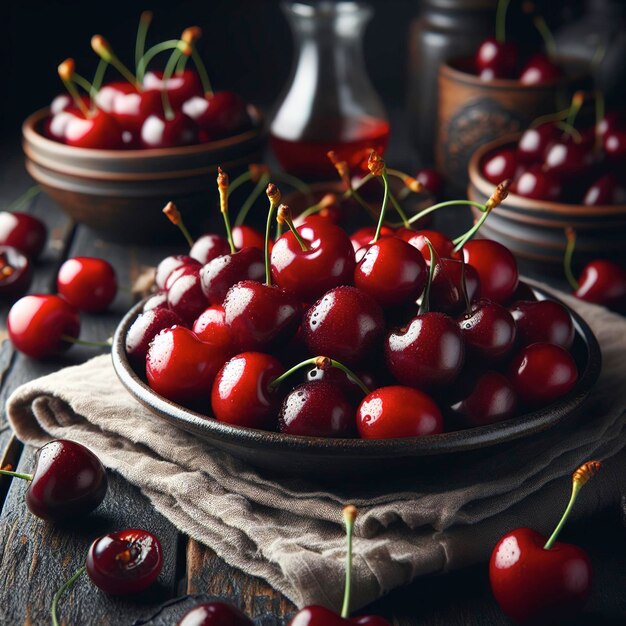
330	103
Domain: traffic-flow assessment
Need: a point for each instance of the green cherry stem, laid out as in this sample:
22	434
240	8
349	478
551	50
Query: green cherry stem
251	199
579	479
66	74
327	200
140	41
570	235
98	78
284	217
102	48
182	48
61	591
349	516
174	216
442	205
222	187
4	472
577	101
503	6
142	65
546	35
274	196
383	209
425	305
25	198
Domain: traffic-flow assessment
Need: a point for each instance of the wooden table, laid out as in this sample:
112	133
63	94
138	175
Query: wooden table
36	557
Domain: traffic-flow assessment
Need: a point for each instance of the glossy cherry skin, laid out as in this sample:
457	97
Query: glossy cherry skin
537	586
215	614
16	271
110	91
321	616
338	378
431	179
395	411
242	394
218	115
145	328
536	184
542	373
567	159
88	283
24	232
345	324
182	368
245	236
446	290
220	274
543	321
486	398
496	59
68	480
603	282
124	562
131	109
99	131
36	324
171	263
539	69
362	237
488	330
209	247
211	327
328	263
317	409
160	132
605	190
260	316
500	165
428	353
186	298
441	244
614	143
534	142
180	87
496	267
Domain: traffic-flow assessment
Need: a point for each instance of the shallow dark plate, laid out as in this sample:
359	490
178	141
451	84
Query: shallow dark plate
315	456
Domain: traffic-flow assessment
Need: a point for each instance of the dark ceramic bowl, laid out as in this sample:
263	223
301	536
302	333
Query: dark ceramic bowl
535	229
112	191
315	457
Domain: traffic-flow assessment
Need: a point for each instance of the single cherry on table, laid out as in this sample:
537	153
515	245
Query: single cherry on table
215	614
88	283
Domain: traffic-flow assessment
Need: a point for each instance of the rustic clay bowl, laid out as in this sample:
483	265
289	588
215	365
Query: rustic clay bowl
472	111
342	458
120	193
535	229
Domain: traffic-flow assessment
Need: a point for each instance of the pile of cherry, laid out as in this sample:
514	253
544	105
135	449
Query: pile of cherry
147	109
225	331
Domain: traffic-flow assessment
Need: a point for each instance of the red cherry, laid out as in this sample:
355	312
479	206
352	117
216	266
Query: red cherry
536	184
180	367
567	159
392	272
534	142
209	247
539	69
496	59
171	263
328	262
614	143
317	409
246	236
496	267
16	271
145	328
108	93
215	614
180	87
500	165
391	412
156	301
126	561
543	321
446	289
603	282
427	353
338	378
185	295
88	283
211	327
533	585
321	616
431	179
242	394
605	190
345	324
441	244
37	324
260	316
364	236
24	232
99	130
542	373
68	481
158	131
218	115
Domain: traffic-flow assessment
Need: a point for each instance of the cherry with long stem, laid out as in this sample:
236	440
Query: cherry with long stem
103	49
173	215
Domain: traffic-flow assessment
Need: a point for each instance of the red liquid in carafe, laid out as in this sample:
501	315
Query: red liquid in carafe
309	159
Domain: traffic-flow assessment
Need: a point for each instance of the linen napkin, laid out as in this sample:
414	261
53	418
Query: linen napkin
289	531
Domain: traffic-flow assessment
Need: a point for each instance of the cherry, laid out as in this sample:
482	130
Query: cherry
130	110
391	271
345	323
614	143
42	325
611	120
534	142
124	562
159	131
99	130
317	409
145	328
429	352
541	373
391	412
243	393
537	184
496	59
209	247
220	114
24	232
542	582
246	236
180	87
185	295
539	69
68	480
603	282
362	237
446	289
108	93
16	271
567	159
88	283
488	330
605	190
499	165
544	321
259	316
431	180
155	301
182	368
211	327
171	263
441	244
496	267
339	378
215	614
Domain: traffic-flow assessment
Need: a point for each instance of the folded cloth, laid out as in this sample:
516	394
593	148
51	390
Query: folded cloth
289	530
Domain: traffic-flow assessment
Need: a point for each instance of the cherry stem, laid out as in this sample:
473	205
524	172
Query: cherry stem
503	5
82	82
104	51
140	42
543	119
459	242
600	108
284	217
28	477
174	216
146	59
167	74
78	101
579	479
201	69
381	218
577	101
274	196
251	199
349	515
293	181
568	129
442	205
546	35
425	305
26	197
61	591
96	83
91	344
570	234
223	188
324	202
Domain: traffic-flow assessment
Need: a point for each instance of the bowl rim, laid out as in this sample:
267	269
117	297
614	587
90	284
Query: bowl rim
33	137
541	206
445	443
